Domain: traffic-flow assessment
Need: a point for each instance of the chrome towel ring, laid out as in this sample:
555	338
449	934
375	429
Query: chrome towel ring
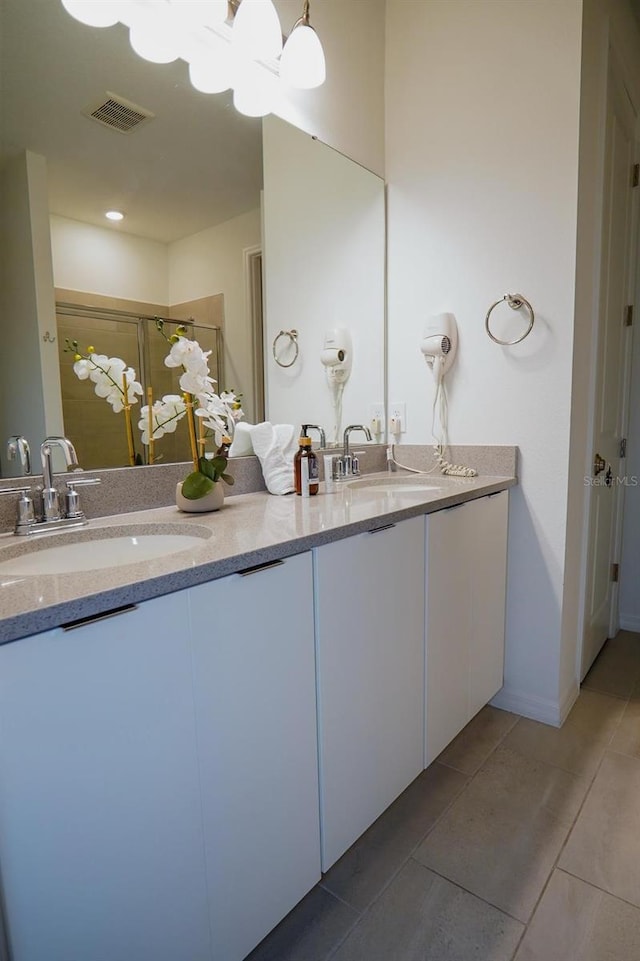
293	339
515	301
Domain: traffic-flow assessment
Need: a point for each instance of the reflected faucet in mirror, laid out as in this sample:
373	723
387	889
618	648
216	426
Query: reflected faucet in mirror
18	449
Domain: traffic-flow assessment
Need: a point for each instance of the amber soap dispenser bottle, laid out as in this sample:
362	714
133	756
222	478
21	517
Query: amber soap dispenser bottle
305	466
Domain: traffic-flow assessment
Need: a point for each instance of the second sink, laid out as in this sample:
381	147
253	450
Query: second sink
397	485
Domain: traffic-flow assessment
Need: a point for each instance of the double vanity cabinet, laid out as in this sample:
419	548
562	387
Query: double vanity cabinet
175	777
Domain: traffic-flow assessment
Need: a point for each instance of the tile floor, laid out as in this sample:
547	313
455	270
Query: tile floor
520	843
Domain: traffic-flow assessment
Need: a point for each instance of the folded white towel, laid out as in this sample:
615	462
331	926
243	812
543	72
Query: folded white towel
241	444
277	467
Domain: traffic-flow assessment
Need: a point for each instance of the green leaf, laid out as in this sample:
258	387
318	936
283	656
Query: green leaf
196	485
228	479
206	467
219	464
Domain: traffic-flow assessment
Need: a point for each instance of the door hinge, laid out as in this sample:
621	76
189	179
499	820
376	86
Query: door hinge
628	315
615	572
623	447
635	175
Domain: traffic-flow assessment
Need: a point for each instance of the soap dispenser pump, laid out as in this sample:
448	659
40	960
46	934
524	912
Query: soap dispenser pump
305	466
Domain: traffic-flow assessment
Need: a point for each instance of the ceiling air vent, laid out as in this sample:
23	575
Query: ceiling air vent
117	113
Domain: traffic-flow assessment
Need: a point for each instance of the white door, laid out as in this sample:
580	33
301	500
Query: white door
611	367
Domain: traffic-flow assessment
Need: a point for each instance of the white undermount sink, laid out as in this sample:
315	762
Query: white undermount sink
397	485
92	550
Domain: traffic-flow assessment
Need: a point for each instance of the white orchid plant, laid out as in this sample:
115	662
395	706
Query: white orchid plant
113	380
215	414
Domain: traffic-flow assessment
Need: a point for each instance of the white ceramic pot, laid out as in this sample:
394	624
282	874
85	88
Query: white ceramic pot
212	501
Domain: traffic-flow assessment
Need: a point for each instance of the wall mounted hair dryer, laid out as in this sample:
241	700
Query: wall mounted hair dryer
439	343
337	355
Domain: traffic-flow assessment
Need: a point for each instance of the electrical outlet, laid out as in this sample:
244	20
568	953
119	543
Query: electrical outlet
398	413
376	413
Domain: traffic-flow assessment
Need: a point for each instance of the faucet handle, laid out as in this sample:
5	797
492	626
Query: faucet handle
72	507
25	515
89	482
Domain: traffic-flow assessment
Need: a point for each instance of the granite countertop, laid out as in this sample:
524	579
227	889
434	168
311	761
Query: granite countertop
251	529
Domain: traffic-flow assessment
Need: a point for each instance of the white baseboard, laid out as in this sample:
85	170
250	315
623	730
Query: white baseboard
537	708
629	622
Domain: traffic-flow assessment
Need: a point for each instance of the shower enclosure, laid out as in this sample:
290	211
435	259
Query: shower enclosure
96	431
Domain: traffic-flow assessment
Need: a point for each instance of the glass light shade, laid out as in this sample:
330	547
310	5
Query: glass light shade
156	38
213	74
95	13
201	13
256	30
302	64
255	90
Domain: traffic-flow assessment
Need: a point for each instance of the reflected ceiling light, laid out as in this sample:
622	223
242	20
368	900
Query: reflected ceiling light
95	13
114	215
202	13
256	30
245	53
255	91
157	37
212	73
302	64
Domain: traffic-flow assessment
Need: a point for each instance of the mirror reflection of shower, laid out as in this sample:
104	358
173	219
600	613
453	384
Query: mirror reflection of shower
97	433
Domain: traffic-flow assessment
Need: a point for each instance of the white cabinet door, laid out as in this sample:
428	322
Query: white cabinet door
101	847
466	582
488	553
254	677
370	654
448	626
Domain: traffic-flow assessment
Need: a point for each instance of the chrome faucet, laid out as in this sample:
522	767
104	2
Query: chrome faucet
51	517
323	439
18	449
50	497
347	464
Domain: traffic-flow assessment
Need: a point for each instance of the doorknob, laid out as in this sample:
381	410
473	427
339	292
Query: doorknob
599	465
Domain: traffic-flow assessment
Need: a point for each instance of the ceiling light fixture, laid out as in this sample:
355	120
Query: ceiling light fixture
302	64
114	215
227	43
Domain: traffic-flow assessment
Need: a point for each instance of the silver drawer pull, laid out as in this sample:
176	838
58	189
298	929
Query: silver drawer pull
385	527
92	618
260	567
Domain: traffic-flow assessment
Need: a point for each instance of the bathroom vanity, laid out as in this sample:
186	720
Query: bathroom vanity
178	769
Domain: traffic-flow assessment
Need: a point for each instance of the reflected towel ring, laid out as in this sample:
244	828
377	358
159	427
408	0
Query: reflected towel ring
293	338
515	301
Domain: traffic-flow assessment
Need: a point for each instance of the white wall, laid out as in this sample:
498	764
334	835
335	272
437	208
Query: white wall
108	261
482	101
30	380
348	110
324	268
211	262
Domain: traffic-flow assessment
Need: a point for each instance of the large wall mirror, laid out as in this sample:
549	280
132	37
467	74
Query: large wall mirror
241	229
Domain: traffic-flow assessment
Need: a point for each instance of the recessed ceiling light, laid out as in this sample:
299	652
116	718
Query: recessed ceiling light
114	215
